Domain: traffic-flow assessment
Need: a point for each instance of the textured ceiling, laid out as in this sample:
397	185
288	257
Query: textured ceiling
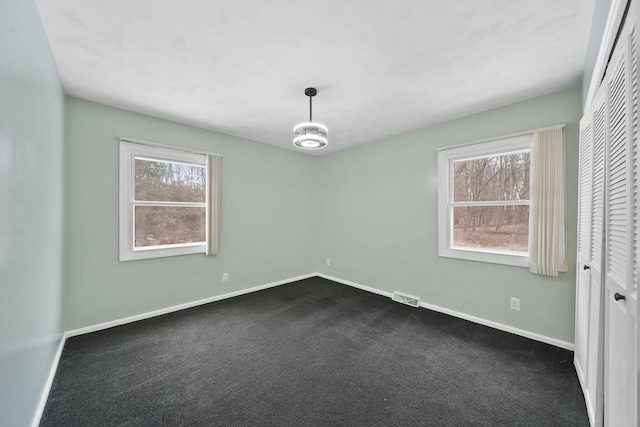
380	67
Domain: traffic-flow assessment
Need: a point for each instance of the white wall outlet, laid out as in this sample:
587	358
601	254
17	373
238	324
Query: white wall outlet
328	261
225	277
515	303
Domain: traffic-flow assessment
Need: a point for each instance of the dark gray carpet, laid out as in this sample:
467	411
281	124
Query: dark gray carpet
312	353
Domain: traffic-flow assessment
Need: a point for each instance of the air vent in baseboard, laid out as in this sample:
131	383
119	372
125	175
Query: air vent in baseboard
406	299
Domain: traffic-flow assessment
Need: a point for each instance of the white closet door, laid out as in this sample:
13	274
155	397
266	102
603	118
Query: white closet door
635	153
583	286
620	298
635	197
595	351
589	308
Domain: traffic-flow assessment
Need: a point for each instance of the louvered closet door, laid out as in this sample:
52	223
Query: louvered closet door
589	295
595	365
635	197
620	296
585	183
584	245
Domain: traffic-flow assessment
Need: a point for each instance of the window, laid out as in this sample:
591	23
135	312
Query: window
166	202
484	201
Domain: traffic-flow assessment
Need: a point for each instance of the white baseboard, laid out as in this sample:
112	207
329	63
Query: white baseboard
506	328
356	285
47	386
150	314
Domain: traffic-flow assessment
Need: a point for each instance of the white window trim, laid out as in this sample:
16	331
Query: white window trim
446	157
128	152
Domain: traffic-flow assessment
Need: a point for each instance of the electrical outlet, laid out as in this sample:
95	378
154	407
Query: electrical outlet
515	303
328	261
225	277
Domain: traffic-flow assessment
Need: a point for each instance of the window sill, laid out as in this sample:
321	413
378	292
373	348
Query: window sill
504	258
155	252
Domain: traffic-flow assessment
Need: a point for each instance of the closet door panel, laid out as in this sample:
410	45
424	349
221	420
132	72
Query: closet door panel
595	367
620	302
584	248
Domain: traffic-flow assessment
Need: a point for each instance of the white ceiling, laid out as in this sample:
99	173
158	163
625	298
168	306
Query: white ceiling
381	67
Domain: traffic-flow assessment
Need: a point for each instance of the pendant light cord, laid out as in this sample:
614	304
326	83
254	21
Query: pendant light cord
310	109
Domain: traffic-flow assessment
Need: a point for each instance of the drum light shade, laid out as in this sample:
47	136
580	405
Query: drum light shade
310	135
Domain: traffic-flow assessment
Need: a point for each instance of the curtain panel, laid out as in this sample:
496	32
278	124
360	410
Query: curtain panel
547	198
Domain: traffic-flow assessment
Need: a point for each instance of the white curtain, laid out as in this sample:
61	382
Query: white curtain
214	188
546	213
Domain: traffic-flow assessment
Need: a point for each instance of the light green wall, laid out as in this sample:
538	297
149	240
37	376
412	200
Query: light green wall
379	221
31	209
269	202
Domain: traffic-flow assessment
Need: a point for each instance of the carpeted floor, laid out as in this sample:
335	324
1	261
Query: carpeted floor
312	353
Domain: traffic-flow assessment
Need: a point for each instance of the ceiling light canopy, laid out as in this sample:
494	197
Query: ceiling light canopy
310	135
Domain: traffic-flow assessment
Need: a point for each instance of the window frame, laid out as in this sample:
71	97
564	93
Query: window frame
446	157
129	151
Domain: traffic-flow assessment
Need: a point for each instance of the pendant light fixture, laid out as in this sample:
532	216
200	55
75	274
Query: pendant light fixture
310	135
